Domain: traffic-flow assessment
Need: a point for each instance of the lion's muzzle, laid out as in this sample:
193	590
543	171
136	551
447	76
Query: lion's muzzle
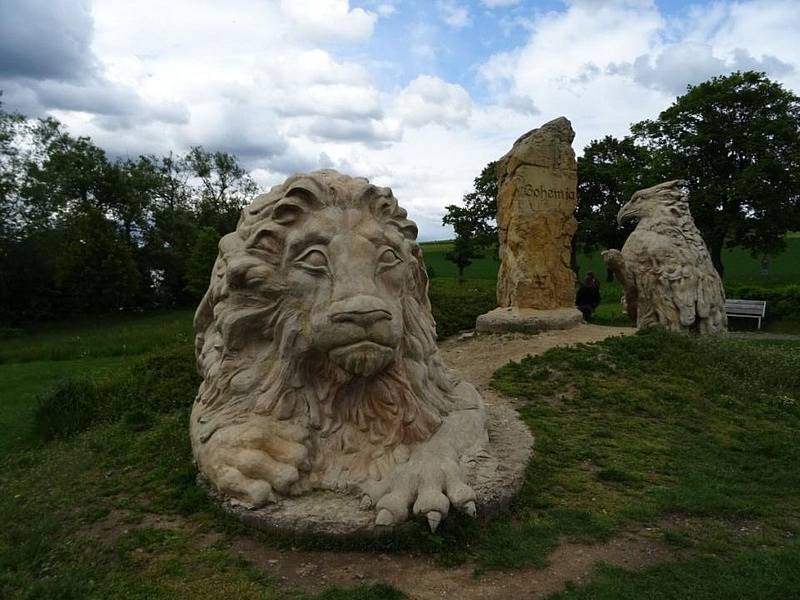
362	334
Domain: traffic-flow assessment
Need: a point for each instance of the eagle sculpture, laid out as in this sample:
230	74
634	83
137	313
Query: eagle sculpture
664	267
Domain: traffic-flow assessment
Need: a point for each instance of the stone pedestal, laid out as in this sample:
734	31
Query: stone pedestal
527	320
496	477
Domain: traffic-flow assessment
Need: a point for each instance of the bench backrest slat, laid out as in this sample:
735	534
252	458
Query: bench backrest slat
746	307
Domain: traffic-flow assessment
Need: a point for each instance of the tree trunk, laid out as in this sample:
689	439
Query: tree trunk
573	258
716	254
460	274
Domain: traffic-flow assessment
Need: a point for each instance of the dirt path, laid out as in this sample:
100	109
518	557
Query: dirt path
480	356
314	572
477	358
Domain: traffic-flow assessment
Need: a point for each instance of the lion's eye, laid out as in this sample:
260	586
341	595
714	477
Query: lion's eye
314	260
388	258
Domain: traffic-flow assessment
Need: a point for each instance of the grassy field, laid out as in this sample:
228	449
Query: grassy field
740	267
741	270
692	441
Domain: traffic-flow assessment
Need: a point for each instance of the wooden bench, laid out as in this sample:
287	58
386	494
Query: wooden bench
751	309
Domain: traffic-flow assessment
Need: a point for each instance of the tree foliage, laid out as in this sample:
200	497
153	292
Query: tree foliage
81	232
609	172
474	223
736	139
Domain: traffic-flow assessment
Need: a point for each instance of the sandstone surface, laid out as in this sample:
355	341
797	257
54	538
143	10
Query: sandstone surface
537	195
323	387
664	267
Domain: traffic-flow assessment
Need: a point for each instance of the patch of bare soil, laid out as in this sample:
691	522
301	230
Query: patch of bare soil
476	357
118	522
479	356
313	572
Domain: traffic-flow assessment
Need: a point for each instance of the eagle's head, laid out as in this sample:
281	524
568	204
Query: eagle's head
668	197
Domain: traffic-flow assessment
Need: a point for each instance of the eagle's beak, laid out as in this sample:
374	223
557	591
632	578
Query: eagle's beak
624	213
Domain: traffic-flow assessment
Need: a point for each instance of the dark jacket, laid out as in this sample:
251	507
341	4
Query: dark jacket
588	296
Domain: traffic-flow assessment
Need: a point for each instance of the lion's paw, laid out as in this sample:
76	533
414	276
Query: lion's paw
251	462
429	486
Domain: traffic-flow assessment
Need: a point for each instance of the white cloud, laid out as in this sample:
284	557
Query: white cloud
521	104
298	85
690	63
454	14
386	9
323	20
429	99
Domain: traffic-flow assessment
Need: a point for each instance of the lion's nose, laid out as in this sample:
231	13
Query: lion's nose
361	310
362	318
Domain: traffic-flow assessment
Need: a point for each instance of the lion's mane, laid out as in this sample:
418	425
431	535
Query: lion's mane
254	356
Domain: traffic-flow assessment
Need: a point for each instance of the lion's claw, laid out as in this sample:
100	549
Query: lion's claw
434	518
384	517
428	483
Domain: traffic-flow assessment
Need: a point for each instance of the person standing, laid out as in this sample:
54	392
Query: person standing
587	299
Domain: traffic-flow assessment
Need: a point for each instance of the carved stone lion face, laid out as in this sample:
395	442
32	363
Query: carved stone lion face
317	317
348	272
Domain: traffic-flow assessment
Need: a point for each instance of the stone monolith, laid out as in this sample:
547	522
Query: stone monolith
537	195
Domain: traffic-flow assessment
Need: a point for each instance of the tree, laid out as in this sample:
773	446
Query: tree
474	223
466	245
201	262
225	188
95	270
609	172
736	139
481	206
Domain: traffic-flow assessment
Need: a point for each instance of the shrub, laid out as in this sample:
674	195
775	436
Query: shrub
455	306
69	408
165	380
782	302
160	382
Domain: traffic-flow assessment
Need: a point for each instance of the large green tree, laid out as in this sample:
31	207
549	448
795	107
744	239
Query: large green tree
466	245
736	139
609	172
84	232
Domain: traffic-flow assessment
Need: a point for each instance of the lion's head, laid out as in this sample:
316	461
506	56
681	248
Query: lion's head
318	312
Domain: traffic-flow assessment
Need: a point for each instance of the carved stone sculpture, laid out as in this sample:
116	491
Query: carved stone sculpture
320	367
536	199
664	267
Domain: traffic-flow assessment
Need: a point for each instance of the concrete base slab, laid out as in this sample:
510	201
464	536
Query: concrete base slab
527	320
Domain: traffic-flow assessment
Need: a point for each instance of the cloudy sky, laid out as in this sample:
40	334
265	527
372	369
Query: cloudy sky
415	94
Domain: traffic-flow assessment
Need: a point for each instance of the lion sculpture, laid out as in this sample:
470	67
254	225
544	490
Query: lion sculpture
664	267
317	349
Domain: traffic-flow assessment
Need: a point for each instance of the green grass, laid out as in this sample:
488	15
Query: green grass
756	575
90	337
633	431
693	439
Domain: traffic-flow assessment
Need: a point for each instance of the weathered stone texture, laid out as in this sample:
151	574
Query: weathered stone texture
664	267
537	192
321	373
527	320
